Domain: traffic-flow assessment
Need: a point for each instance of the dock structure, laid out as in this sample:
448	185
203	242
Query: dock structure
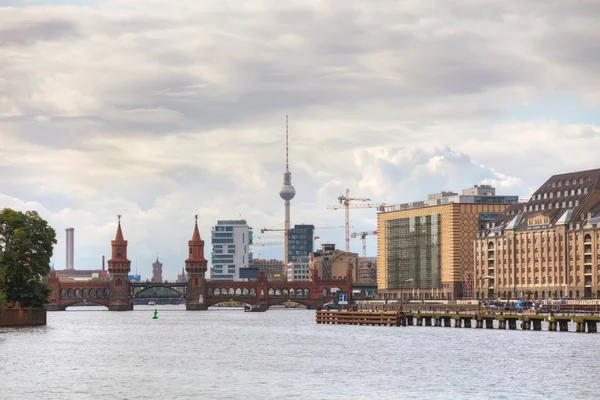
560	323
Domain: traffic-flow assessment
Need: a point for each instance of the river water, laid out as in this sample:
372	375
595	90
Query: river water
229	354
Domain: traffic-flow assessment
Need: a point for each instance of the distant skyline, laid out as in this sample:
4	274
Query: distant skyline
159	111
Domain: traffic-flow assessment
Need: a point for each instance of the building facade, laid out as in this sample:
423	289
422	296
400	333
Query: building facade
273	269
298	270
230	242
367	270
425	248
300	242
333	263
547	247
157	271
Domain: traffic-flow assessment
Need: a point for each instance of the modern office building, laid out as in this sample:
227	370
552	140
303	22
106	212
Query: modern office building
547	247
273	269
333	263
230	242
299	270
157	271
300	242
425	248
70	247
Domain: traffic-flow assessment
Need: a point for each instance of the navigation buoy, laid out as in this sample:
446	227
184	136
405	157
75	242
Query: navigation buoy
155	314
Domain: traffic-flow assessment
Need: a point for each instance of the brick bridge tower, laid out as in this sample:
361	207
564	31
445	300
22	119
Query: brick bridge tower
196	266
119	267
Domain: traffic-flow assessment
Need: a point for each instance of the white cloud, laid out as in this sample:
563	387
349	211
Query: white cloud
161	112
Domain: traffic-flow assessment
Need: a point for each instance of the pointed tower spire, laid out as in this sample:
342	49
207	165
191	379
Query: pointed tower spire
196	235
119	235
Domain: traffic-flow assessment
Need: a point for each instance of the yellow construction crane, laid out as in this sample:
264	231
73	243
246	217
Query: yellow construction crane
345	202
363	236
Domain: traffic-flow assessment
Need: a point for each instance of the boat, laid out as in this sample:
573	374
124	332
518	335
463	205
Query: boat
252	308
152	303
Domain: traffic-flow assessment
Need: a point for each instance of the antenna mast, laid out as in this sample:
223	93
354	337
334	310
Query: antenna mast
286	144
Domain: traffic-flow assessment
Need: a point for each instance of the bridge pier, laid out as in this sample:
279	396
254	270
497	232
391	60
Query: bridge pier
592	326
478	323
467	322
563	325
489	323
502	324
458	323
419	321
438	322
537	324
427	321
512	324
447	322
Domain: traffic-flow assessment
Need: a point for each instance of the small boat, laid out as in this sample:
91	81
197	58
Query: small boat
152	303
252	308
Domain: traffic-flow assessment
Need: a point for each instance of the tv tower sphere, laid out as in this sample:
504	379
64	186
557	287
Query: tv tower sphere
287	191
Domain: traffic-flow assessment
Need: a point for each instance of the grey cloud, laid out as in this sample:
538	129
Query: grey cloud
38	32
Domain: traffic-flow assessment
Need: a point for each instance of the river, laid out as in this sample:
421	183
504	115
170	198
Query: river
86	353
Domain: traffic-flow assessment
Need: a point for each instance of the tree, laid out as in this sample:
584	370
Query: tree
2	290
26	246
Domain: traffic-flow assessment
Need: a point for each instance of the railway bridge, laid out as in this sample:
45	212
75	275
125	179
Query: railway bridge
118	293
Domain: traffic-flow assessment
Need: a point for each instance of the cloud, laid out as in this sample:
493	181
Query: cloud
159	113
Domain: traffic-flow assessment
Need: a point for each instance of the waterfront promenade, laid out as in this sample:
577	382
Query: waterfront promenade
491	320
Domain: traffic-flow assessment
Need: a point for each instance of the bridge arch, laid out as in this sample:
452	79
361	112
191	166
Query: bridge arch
145	292
79	301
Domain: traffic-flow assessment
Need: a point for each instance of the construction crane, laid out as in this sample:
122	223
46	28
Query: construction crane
316	228
363	236
345	202
276	243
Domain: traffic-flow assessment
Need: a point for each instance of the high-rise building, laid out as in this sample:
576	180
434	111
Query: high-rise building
157	271
230	242
70	246
547	247
300	242
287	193
425	248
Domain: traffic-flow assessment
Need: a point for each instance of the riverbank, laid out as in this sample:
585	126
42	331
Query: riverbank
12	317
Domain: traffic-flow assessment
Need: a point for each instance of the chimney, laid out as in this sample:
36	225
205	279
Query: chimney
102	263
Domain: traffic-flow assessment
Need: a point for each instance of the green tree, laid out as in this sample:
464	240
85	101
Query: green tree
2	288
26	245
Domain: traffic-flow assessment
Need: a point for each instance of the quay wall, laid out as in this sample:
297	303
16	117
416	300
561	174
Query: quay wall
23	317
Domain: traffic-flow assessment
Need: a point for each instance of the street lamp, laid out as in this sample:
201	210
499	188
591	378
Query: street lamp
402	290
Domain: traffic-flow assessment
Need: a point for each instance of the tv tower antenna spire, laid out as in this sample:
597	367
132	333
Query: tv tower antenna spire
287	165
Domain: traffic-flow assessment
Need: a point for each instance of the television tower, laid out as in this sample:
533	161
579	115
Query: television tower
287	193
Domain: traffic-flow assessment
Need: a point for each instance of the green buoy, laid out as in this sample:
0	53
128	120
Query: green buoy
155	314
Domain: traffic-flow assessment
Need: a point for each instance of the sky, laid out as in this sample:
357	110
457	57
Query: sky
160	110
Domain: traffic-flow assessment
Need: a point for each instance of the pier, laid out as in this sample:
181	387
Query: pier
487	320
